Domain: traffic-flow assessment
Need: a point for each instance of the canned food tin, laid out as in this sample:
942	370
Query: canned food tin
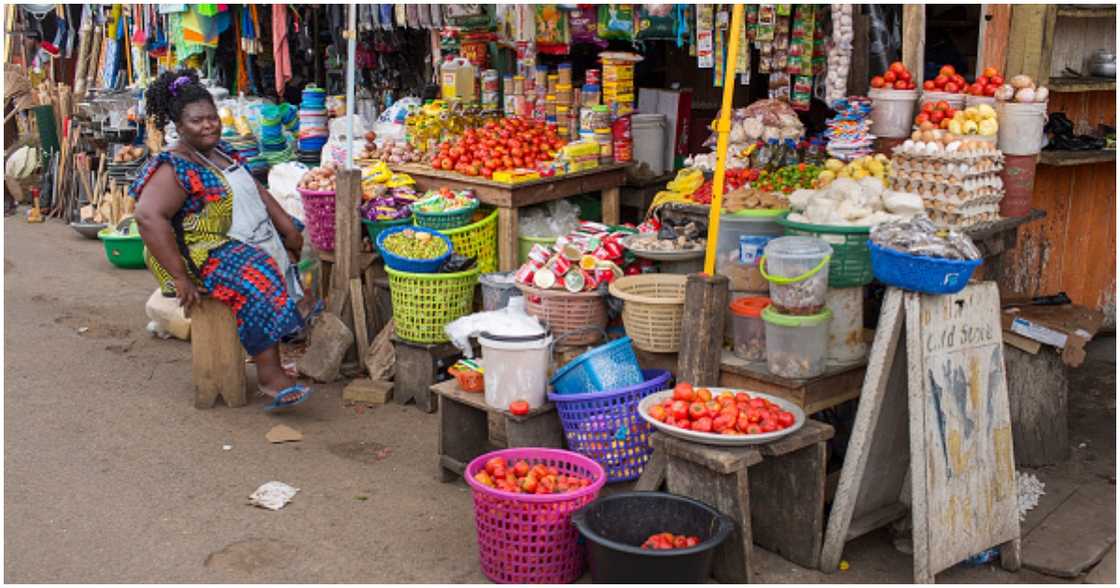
574	281
539	255
559	265
544	279
525	274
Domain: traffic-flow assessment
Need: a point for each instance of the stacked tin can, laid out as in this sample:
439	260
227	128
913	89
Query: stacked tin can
490	85
579	262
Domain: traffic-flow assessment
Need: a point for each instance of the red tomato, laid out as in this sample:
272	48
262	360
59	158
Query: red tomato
948	70
927	107
903	76
519	407
742	422
911	85
990	72
890	77
697	410
941	80
446	164
958	79
713	408
703	394
785	419
996	80
486	172
721	422
657	412
684	424
742	397
982	80
921	118
990	90
680	410
945	123
703	425
692	541
684	391
900	85
754	430
897	67
952	88
941	105
758	403
878	82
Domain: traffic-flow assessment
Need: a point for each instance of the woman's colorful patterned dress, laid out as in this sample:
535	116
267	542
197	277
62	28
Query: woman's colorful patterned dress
240	275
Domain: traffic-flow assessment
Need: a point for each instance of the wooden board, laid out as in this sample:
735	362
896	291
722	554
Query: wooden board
523	194
914	39
217	357
995	27
1037	391
1067	158
1076	535
960	483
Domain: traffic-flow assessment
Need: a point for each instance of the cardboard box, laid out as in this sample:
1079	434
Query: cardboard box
1068	327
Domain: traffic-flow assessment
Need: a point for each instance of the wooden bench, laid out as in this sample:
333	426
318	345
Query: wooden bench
779	505
468	427
217	357
835	386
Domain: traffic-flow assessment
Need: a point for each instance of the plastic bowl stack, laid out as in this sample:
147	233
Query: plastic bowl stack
313	130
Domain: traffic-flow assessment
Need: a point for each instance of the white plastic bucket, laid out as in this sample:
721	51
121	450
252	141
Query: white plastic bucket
892	112
739	247
956	101
649	132
845	332
1020	127
515	368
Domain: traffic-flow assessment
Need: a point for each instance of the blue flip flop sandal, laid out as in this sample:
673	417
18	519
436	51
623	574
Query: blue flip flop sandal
276	404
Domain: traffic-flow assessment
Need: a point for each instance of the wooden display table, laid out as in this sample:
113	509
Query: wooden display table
835	386
786	483
508	198
468	427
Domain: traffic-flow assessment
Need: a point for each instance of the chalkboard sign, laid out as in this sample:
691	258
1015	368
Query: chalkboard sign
936	375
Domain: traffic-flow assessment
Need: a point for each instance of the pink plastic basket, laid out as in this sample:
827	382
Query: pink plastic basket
529	538
318	212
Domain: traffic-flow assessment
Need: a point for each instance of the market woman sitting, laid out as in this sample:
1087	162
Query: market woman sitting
212	230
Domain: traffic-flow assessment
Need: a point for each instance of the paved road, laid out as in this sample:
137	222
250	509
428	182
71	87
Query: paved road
111	475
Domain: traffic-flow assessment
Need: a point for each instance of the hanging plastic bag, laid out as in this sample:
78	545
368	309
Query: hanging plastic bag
616	21
583	22
656	21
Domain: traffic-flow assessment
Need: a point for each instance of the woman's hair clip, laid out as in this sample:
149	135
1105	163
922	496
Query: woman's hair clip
177	84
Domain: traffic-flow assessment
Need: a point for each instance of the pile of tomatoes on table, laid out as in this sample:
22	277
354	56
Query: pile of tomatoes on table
724	414
504	144
522	478
897	77
986	84
935	115
664	541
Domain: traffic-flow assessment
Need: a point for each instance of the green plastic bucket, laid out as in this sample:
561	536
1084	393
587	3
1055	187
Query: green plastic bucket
524	244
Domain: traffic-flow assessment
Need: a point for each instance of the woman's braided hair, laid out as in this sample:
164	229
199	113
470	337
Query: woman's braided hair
171	92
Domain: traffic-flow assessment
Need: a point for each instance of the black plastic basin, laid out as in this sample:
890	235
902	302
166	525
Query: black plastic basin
616	526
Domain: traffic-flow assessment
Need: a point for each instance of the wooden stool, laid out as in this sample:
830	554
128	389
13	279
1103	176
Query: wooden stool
418	367
217	358
787	481
468	427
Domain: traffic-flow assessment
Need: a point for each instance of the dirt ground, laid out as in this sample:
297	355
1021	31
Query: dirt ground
113	476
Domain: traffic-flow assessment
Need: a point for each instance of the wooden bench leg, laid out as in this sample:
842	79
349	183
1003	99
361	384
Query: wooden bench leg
507	239
463	436
792	488
217	358
541	431
729	494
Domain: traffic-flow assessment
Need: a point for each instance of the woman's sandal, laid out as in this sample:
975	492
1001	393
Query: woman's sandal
276	404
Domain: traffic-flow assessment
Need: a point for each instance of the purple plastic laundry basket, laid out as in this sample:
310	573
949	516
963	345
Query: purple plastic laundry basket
318	210
606	426
530	538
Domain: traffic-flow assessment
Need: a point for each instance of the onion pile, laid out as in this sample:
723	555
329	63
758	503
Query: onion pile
390	151
319	179
1021	88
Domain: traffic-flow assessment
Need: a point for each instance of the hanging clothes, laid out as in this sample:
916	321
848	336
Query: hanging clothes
280	53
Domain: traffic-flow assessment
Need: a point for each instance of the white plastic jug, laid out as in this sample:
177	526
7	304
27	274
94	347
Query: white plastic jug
515	368
649	132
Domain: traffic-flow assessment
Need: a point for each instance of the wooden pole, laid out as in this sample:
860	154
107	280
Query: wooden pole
724	130
914	40
705	303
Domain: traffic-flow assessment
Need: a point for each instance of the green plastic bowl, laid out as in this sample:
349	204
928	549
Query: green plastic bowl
374	228
125	252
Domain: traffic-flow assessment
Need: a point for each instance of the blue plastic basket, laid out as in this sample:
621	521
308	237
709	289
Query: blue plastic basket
607	367
606	426
412	266
929	275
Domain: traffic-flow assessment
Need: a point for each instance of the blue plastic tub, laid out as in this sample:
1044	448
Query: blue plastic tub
606	426
929	275
607	367
412	266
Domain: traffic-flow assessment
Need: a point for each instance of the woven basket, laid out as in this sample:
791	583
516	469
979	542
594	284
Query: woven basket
479	240
423	304
654	304
318	208
580	318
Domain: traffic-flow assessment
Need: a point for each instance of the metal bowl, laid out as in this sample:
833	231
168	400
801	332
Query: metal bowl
1103	69
88	230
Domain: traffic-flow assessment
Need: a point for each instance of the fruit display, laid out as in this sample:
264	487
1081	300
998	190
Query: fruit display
1021	88
957	178
975	120
522	477
445	200
319	179
873	166
727	413
412	244
897	77
664	541
986	83
506	144
849	202
947	80
934	115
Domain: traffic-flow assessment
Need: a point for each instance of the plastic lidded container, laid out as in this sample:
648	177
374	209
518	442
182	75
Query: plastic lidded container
797	269
796	346
748	327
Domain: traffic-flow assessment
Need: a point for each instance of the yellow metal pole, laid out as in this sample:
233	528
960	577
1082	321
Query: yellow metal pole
723	129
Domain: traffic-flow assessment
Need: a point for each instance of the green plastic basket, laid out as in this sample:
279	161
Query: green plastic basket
374	228
525	244
441	221
423	304
479	240
851	259
123	251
